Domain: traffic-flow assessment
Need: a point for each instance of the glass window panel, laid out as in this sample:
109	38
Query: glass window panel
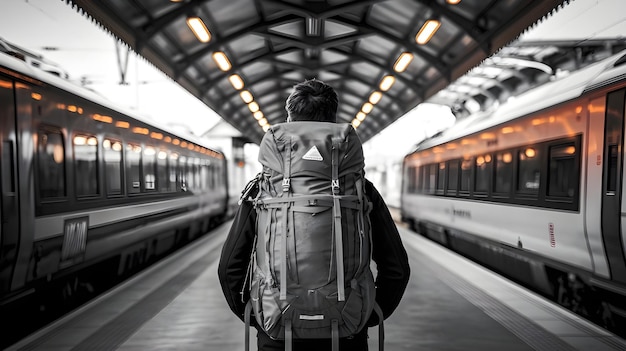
113	166
453	175
86	164
149	168
529	171
162	171
51	164
503	172
563	178
173	171
441	175
466	175
182	173
483	166
133	159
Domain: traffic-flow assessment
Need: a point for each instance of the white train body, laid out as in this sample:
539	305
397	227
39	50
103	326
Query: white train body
536	184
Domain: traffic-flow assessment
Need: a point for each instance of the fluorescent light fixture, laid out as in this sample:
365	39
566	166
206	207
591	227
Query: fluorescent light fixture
262	122
236	81
367	107
258	115
375	97
403	62
356	123
361	116
222	61
427	31
253	106
313	27
387	82
266	127
199	29
246	96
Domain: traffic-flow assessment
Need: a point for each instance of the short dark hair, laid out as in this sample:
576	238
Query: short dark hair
312	100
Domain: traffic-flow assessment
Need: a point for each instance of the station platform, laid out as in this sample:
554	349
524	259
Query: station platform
450	304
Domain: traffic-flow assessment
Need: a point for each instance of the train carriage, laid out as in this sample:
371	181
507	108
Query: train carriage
533	189
86	184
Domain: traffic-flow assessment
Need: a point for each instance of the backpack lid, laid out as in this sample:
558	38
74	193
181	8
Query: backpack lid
311	144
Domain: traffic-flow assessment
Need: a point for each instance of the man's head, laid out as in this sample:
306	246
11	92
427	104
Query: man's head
312	100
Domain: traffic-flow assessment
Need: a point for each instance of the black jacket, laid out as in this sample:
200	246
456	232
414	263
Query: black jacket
388	253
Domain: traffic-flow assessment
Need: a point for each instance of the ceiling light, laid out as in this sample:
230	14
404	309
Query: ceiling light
360	116
453	2
356	123
375	97
266	127
403	62
253	106
427	31
367	107
246	96
222	61
262	122
313	27
236	81
387	82
199	29
258	115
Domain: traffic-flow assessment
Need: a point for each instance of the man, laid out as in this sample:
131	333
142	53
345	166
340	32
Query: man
314	100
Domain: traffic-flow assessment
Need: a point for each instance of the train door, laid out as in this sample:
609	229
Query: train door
612	185
9	214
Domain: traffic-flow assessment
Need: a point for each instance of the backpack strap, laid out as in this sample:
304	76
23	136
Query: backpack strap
246	317
381	327
288	335
337	231
335	334
285	209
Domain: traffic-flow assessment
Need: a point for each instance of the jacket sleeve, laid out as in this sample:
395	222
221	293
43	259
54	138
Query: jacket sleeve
389	254
235	258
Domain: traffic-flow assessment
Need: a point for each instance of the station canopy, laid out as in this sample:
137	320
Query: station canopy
384	57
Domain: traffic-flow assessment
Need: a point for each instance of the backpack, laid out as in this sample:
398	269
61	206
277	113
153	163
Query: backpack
310	266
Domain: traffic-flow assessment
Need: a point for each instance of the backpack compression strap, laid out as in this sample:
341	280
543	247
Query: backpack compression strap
285	208
337	231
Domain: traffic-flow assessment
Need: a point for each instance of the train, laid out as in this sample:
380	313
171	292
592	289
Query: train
86	184
534	190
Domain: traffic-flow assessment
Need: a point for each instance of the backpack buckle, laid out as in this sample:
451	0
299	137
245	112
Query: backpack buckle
286	184
334	184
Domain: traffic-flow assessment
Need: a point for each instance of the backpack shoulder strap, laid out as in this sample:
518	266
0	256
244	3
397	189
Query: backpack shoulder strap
337	231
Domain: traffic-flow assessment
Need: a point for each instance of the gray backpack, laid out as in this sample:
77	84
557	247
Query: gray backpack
310	268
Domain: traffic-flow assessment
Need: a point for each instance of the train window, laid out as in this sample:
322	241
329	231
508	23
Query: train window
162	172
113	166
417	179
432	177
412	179
189	168
149	168
197	174
529	171
133	161
453	177
51	164
182	173
206	175
466	175
441	176
503	172
483	167
86	164
173	169
613	163
563	177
